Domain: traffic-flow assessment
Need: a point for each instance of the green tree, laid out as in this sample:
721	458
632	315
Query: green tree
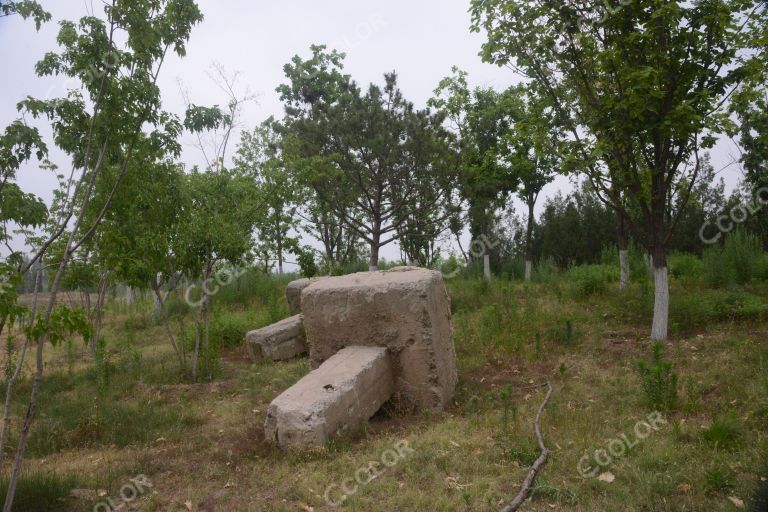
259	156
482	124
373	159
117	60
640	89
533	147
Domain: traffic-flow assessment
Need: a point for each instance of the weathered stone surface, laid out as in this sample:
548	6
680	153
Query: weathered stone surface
283	340
336	398
405	309
293	294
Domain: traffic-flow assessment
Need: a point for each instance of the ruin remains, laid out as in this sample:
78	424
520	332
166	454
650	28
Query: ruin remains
372	337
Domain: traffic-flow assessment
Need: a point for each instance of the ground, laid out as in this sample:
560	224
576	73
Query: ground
201	445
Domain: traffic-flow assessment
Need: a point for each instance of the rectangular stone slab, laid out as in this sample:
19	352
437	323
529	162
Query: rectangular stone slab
406	309
282	340
336	398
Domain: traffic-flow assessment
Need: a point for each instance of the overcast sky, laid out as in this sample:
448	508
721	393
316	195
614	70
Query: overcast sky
420	39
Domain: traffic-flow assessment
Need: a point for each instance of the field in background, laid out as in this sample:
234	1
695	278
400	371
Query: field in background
201	444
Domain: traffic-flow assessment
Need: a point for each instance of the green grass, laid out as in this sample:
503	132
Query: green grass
41	491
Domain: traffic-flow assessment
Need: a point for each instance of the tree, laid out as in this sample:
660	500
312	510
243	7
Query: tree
533	149
371	158
640	89
482	124
218	229
259	156
25	9
18	144
117	60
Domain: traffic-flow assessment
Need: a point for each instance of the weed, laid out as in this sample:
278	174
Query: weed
659	382
725	431
718	480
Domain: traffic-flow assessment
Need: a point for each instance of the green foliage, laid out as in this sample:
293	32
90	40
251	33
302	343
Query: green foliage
725	431
687	267
307	263
564	334
228	329
739	260
41	491
588	280
348	146
719	480
658	381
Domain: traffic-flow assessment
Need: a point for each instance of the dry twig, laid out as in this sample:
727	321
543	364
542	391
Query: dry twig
525	490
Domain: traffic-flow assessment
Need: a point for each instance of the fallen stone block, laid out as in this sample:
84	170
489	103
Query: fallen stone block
282	340
406	309
336	398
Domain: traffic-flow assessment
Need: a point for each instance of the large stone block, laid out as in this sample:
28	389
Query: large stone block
293	294
282	340
336	398
406	309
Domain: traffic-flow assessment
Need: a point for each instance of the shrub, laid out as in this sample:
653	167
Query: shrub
738	261
658	381
725	431
307	263
564	334
229	329
587	280
718	481
685	266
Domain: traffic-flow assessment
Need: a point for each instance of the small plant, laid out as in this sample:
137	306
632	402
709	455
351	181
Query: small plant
725	431
564	334
507	407
718	481
537	346
658	380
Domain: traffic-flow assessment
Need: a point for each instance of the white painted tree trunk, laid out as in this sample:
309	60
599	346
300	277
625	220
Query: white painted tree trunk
528	270
487	266
129	296
661	304
624	269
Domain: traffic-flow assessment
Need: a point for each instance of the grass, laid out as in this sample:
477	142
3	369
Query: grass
203	442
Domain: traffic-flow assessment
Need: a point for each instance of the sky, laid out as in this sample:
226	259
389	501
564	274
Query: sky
420	39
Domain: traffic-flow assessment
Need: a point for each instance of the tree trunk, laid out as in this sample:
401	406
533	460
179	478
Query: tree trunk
167	324
487	264
373	263
661	302
529	240
623	252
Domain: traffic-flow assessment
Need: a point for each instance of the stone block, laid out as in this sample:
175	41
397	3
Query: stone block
282	340
336	398
293	294
406	310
